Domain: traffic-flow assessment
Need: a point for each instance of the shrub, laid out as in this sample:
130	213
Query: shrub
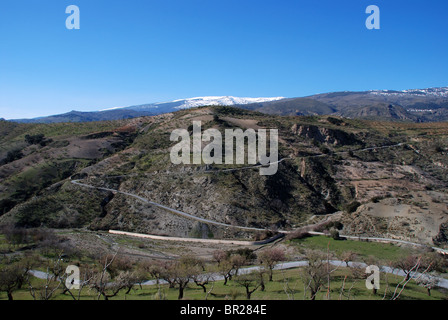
334	233
324	149
335	121
12	156
34	139
352	206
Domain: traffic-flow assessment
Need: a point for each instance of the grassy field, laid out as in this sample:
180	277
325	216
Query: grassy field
380	251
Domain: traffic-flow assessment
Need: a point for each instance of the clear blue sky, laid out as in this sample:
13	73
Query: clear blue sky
141	51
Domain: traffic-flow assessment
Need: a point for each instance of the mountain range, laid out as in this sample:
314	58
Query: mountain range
415	105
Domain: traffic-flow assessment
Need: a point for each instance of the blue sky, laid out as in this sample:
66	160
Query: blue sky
141	51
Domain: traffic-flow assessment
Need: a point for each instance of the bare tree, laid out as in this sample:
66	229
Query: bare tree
250	281
290	292
270	257
210	290
86	276
182	272
102	282
225	269
261	272
348	256
408	278
428	282
219	255
407	265
202	279
230	266
164	271
315	273
54	280
108	287
14	236
12	276
237	261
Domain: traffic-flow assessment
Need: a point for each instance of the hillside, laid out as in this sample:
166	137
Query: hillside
382	178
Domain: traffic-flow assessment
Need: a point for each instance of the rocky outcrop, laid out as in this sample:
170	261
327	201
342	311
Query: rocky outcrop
442	236
325	135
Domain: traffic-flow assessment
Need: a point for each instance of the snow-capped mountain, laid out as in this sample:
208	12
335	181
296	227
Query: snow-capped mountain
430	92
175	105
220	101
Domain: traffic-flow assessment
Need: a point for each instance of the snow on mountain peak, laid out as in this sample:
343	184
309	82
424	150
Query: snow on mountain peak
220	100
436	92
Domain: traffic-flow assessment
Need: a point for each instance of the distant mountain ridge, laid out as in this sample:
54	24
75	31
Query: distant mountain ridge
150	109
79	116
416	105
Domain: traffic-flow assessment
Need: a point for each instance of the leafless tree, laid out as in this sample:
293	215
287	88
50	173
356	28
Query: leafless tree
357	272
315	273
86	275
261	272
237	261
164	271
54	280
14	236
210	290
348	256
270	257
408	278
202	279
250	281
225	269
330	270
290	292
182	272
230	266
428	281
407	265
13	275
104	284
219	255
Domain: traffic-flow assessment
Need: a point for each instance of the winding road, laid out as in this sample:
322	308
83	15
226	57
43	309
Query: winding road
212	222
189	216
178	212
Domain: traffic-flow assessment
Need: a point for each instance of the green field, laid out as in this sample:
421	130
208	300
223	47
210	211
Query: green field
380	251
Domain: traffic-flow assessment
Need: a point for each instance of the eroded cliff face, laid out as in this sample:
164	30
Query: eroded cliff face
241	198
325	135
